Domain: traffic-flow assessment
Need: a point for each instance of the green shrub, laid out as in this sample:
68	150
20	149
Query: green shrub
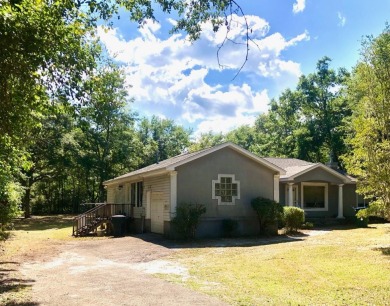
4	235
10	201
268	212
362	217
293	218
187	218
229	226
307	225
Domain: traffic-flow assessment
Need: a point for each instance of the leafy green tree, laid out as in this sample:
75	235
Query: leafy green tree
369	90
162	139
324	107
44	53
108	133
277	131
309	122
244	136
207	140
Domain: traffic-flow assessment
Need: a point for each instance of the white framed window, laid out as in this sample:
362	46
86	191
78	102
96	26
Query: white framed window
226	189
136	190
314	196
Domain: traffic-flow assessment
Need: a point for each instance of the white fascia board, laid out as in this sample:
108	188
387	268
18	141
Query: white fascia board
134	178
344	178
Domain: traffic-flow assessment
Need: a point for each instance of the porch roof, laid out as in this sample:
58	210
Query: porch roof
295	167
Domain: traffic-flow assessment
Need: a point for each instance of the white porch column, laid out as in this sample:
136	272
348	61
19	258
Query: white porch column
173	178
276	187
290	194
340	214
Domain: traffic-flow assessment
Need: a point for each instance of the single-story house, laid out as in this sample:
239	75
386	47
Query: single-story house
225	179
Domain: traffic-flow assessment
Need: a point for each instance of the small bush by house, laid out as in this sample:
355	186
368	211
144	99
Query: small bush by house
268	213
293	218
187	218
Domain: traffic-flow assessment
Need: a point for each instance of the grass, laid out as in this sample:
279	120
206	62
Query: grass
342	267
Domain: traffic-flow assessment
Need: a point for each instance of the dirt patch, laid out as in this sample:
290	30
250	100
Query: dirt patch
110	272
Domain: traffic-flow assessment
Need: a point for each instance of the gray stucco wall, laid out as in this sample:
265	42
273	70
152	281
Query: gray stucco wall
349	199
194	185
318	175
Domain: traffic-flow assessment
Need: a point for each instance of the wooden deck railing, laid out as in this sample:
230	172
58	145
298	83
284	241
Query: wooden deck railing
91	219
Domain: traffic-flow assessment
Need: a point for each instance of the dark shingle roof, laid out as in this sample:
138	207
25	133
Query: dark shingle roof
292	166
171	163
160	165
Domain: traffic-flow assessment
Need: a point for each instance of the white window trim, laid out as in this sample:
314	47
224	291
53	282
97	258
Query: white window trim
303	184
219	198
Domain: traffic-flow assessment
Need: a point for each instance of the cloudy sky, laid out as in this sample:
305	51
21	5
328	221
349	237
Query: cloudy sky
173	78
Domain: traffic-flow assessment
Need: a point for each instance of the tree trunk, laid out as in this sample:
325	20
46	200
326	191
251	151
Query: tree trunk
26	200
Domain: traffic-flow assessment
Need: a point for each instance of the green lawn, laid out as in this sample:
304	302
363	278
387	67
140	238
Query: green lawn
341	267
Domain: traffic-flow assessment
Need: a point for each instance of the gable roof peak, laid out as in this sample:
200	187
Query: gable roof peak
172	163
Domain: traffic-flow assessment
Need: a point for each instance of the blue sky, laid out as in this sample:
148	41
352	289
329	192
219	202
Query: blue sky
172	78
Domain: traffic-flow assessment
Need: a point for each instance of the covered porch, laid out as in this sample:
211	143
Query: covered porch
320	191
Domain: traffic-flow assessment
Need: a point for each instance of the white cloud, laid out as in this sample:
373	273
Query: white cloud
179	80
342	19
299	6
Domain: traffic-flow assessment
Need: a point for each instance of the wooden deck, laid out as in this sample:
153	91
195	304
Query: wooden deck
87	223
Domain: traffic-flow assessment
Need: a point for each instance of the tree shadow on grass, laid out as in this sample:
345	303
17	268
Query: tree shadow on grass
11	284
39	223
22	304
384	250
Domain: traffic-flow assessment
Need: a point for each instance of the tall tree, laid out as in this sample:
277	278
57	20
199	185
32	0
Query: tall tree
324	107
207	140
107	127
45	51
279	132
48	49
244	136
162	139
370	137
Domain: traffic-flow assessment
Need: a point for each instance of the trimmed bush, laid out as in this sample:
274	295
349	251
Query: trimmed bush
229	226
268	212
187	218
293	218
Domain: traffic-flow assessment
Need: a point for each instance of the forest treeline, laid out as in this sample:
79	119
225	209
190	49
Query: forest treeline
67	124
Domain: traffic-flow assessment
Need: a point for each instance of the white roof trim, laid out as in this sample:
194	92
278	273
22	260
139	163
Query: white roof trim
323	167
135	177
235	147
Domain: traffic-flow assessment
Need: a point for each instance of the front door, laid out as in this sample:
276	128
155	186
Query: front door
157	213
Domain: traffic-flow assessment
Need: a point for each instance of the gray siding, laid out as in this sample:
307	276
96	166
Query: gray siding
318	175
194	185
349	199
